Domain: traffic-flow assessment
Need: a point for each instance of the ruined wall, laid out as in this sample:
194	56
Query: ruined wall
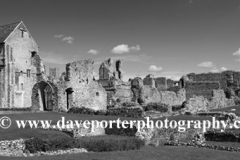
161	83
106	70
149	81
111	79
123	92
85	91
18	73
54	73
170	83
149	94
145	93
173	98
201	88
219	100
226	79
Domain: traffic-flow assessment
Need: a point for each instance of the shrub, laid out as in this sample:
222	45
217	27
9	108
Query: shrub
111	144
222	136
36	144
123	112
16	109
156	107
121	131
177	108
96	145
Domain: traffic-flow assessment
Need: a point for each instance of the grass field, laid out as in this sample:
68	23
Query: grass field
150	153
146	153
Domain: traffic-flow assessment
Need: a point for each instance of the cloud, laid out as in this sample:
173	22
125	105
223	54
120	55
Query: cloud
212	66
206	64
58	36
154	68
93	51
68	39
224	69
124	48
214	70
237	53
142	58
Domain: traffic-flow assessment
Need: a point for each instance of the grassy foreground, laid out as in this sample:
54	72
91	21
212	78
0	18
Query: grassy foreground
146	153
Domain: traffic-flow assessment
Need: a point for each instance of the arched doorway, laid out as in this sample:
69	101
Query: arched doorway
44	96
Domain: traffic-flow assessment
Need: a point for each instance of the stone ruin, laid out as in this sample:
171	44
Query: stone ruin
111	79
199	91
144	91
24	82
216	90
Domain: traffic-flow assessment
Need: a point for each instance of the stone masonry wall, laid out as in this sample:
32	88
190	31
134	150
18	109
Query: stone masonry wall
86	92
172	98
17	79
201	88
226	79
161	83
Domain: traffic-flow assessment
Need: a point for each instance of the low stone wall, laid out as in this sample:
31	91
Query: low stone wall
12	148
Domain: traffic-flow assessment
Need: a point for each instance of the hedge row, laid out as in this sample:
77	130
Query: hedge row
96	145
16	109
156	107
222	136
122	112
114	130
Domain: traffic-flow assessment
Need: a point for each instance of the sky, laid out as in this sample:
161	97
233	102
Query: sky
166	38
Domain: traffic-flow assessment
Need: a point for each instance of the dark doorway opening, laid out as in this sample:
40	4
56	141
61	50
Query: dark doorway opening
69	93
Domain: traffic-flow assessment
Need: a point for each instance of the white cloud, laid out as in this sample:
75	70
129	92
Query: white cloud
142	58
58	36
68	39
214	70
123	48
212	66
224	69
237	53
154	68
93	51
206	64
136	48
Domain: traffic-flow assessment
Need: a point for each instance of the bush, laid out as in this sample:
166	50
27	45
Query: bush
16	109
111	144
96	145
121	131
156	107
36	144
222	136
177	108
123	112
